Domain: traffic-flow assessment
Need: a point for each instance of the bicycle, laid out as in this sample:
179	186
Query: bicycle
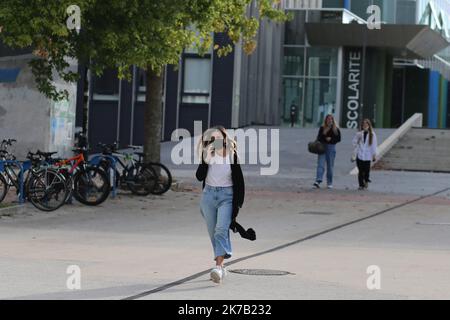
43	186
164	181
129	173
89	184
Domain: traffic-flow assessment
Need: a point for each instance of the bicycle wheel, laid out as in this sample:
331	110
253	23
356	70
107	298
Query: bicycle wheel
69	183
91	186
4	187
106	166
141	180
164	181
47	189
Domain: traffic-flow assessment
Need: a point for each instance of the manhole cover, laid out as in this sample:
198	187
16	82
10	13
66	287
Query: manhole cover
316	213
261	272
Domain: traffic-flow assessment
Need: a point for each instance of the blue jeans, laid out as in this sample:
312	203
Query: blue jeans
328	158
216	207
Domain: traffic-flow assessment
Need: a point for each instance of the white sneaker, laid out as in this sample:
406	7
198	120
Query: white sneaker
224	272
216	274
330	186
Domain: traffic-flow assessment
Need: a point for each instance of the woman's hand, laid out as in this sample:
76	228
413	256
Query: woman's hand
207	153
335	129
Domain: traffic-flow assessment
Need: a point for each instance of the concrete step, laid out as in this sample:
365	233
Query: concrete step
420	150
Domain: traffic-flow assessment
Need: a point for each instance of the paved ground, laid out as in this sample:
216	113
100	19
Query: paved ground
129	246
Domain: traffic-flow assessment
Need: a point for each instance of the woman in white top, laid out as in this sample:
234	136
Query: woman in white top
223	193
365	143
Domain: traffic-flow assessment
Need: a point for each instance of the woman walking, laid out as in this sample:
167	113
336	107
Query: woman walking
223	193
365	143
329	135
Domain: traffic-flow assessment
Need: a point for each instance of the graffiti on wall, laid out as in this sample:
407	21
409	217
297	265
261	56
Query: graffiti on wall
61	126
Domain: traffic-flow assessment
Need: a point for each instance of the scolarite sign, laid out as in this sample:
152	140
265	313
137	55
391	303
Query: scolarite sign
352	87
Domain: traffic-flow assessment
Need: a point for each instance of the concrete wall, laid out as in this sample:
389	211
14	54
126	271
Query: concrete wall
33	120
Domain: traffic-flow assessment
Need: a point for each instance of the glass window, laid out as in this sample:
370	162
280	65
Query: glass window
293	61
293	94
320	100
197	75
295	29
141	78
325	16
406	12
322	62
107	83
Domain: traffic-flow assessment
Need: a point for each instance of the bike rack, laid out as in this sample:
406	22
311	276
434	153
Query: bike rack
95	161
23	166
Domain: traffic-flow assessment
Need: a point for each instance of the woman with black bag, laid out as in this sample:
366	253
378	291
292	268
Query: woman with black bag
329	135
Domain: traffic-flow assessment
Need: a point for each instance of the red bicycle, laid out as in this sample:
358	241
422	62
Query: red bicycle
89	184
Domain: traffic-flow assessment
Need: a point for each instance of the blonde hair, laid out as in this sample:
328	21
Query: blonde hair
334	121
230	144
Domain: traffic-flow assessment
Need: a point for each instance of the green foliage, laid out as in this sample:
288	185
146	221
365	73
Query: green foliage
122	33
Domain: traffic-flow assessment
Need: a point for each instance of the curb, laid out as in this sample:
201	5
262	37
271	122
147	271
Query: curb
13	210
181	186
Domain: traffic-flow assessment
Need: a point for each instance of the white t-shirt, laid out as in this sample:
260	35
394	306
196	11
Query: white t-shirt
219	172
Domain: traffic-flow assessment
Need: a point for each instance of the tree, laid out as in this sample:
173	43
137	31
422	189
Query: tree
149	34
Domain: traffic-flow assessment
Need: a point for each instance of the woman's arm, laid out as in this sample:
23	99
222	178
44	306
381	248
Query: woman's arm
241	183
202	171
321	136
356	139
336	137
374	147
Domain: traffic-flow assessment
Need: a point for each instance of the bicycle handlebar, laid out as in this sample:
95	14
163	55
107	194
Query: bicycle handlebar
134	147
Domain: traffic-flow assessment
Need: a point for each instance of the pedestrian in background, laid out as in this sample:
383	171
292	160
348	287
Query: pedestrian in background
330	135
365	143
293	114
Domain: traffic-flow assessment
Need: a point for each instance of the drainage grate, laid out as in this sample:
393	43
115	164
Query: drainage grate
316	213
261	272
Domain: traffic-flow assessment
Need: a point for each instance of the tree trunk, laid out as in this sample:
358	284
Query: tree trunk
86	95
152	117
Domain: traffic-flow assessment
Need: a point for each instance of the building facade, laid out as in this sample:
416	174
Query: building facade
334	63
324	60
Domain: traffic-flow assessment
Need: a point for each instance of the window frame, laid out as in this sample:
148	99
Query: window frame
186	56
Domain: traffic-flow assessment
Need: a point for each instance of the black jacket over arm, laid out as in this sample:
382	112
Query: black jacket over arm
238	194
335	138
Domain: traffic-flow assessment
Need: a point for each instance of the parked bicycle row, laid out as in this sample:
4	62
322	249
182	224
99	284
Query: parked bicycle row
49	182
